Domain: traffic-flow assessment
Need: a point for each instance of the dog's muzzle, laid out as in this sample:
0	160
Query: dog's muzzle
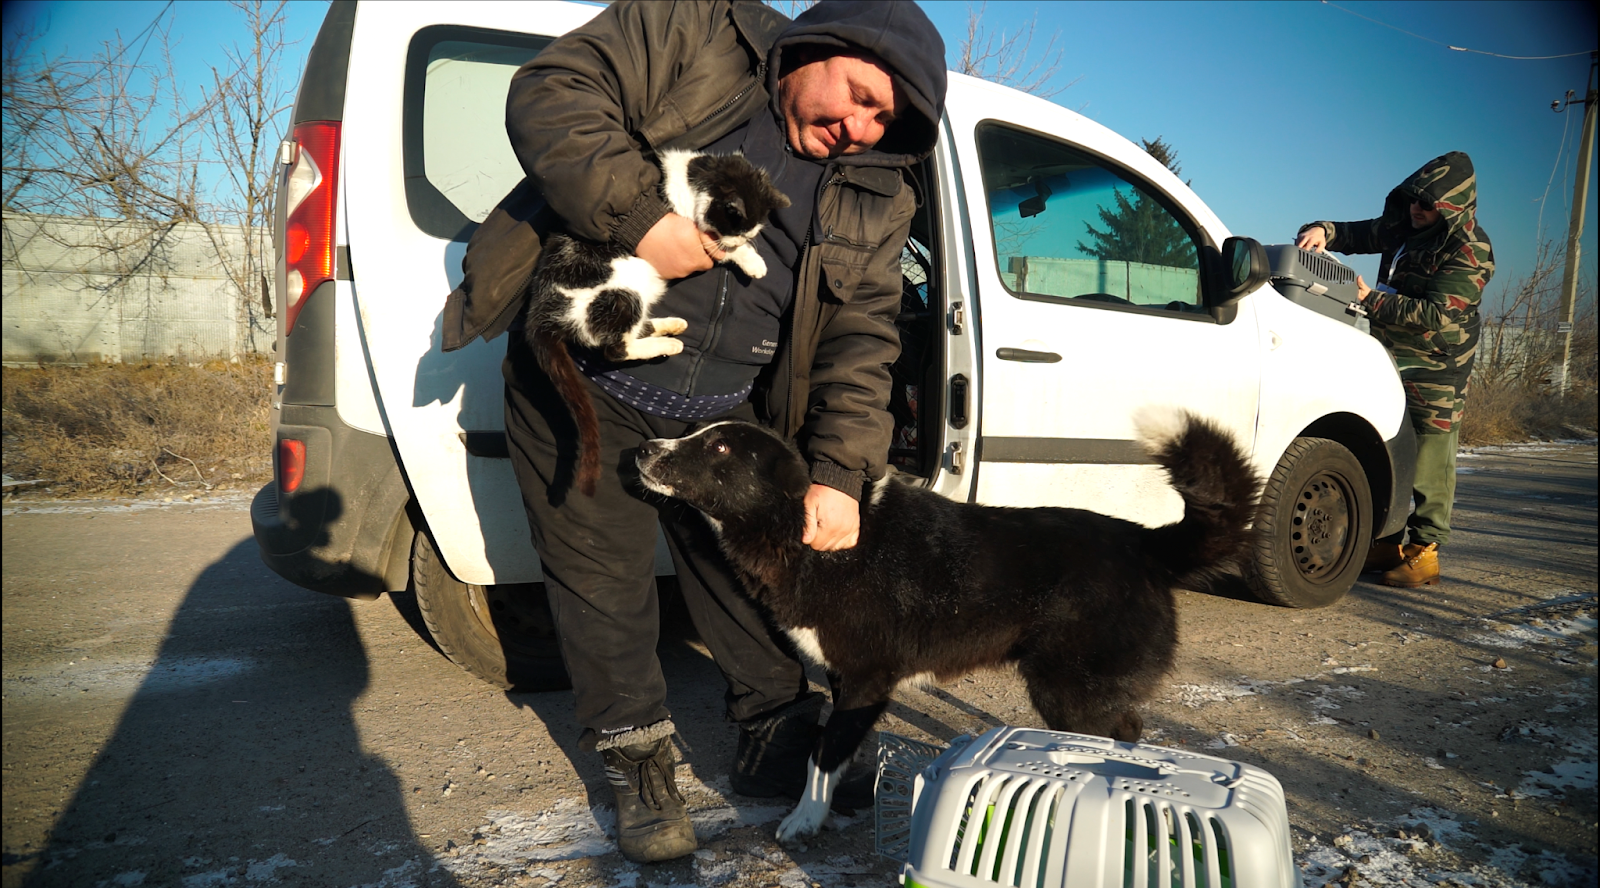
650	454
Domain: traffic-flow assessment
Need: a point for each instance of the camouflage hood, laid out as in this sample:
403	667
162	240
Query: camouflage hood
1450	183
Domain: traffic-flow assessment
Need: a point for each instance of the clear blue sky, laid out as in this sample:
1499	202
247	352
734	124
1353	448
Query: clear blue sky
1281	112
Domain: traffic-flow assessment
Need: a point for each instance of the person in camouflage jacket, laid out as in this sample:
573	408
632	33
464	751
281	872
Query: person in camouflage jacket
1436	261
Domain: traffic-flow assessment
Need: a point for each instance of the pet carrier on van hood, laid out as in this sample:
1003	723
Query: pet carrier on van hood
1315	280
1028	807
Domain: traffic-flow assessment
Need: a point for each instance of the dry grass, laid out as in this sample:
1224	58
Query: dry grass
137	428
1513	411
120	429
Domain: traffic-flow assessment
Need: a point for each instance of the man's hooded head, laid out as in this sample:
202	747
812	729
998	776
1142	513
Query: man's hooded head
845	48
1446	183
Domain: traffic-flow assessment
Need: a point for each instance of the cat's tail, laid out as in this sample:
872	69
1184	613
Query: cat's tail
557	364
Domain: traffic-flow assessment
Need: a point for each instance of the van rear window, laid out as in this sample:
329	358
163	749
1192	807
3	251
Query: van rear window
458	160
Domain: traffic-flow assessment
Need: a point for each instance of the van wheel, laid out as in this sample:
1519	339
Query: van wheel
1313	526
501	634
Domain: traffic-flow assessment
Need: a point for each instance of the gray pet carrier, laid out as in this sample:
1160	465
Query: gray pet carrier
1315	280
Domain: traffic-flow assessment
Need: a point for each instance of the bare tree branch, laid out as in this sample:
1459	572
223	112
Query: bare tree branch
1004	58
248	102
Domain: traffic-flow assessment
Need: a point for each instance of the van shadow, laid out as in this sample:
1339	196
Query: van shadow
238	757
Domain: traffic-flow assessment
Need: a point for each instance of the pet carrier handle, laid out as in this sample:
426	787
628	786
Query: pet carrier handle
1065	754
1070	754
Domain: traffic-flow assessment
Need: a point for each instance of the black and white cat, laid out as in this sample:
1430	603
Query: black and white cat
600	295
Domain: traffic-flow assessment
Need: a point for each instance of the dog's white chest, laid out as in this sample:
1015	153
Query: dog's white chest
810	648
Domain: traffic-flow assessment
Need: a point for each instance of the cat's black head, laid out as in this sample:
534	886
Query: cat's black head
739	194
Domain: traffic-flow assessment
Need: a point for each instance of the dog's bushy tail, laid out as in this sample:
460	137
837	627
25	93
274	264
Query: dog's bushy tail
557	364
1219	490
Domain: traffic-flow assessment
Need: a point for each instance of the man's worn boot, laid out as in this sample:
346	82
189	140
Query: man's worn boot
774	757
1383	557
1420	568
652	824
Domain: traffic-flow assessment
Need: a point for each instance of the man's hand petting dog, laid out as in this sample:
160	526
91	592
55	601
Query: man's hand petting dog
833	519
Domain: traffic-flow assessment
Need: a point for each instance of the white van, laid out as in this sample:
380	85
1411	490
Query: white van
1028	339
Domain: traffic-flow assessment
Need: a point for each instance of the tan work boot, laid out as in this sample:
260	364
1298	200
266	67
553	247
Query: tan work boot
652	823
1383	557
1420	568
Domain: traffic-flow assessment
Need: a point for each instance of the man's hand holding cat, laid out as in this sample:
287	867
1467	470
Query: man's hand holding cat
676	248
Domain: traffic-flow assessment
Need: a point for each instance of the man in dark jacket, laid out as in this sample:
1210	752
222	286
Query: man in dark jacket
836	106
1436	262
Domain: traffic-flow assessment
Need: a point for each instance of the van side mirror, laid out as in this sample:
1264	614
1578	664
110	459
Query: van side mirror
1245	267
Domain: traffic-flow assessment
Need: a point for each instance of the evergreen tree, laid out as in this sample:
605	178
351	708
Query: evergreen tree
1141	230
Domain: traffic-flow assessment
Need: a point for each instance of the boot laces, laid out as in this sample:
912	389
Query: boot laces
656	786
1416	559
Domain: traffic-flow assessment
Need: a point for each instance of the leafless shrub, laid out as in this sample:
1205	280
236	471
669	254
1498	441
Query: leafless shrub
1515	392
119	428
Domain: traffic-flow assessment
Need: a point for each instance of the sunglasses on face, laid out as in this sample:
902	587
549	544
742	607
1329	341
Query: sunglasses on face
1425	203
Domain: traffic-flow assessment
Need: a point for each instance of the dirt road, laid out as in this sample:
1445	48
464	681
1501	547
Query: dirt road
175	714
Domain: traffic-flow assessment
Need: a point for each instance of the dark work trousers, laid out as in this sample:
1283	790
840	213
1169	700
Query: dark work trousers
598	556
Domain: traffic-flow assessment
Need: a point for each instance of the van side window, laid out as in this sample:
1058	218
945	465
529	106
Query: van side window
1069	228
458	159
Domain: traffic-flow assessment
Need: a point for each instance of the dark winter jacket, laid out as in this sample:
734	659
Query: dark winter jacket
1430	324
586	118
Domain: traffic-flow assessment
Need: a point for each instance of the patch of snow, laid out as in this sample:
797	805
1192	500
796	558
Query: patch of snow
1521	635
226	501
1195	696
266	870
1574	774
403	876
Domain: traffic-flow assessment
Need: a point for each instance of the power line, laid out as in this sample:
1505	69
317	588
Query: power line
1449	46
1539	233
148	29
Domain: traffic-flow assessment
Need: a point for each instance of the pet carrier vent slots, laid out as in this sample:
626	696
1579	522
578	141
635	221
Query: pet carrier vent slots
1026	807
1314	280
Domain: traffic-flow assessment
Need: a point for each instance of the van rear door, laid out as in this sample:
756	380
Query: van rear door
425	158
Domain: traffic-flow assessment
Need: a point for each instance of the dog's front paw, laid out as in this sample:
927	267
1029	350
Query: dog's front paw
803	822
668	326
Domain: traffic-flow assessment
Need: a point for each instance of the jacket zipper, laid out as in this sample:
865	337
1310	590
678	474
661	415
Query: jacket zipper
794	327
716	330
761	75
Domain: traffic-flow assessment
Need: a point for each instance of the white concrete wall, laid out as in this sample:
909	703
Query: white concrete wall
81	291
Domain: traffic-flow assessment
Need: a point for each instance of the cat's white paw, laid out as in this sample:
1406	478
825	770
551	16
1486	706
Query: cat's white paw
749	261
654	347
668	326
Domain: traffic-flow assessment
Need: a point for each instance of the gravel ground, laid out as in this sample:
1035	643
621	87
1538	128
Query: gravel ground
174	714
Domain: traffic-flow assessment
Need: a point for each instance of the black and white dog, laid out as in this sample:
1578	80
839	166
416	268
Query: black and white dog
1081	602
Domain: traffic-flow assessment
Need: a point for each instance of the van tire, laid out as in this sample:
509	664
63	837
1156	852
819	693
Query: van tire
1313	526
501	634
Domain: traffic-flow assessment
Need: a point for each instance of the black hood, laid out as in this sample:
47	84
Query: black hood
898	32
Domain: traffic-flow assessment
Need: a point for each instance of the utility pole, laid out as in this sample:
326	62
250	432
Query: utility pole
1569	278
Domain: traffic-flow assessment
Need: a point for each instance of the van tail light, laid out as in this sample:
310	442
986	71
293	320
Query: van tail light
310	189
291	464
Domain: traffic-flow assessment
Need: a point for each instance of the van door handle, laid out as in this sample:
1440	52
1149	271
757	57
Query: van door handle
959	401
1026	356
